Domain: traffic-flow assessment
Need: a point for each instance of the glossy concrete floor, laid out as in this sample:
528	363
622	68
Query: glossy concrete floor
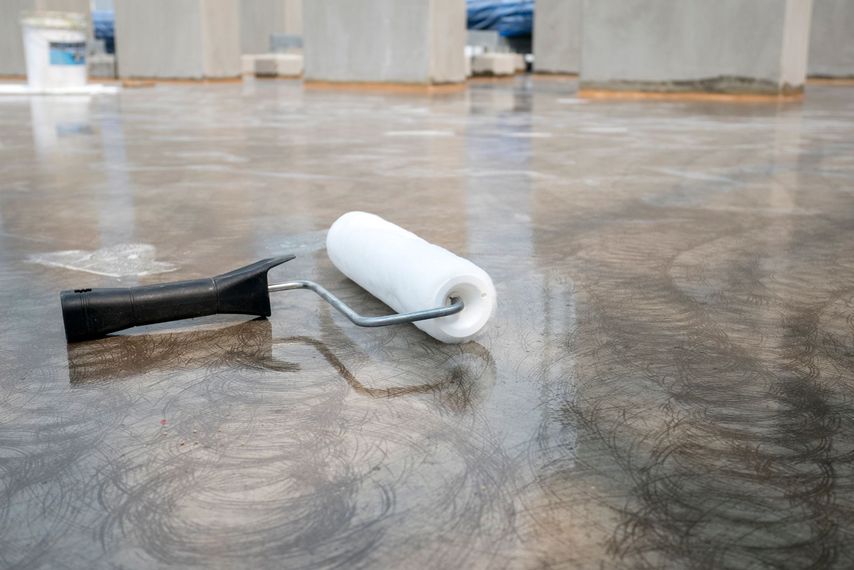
667	382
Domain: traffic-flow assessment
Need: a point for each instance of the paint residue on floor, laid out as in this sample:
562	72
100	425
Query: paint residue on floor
122	260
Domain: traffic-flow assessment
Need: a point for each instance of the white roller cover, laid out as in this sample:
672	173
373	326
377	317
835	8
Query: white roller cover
410	274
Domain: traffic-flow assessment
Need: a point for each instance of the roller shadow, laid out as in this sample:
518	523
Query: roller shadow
244	345
456	377
249	345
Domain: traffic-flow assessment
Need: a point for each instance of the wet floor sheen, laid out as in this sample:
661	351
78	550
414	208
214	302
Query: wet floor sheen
667	381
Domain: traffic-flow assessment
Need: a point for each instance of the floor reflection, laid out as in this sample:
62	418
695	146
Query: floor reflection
666	382
460	372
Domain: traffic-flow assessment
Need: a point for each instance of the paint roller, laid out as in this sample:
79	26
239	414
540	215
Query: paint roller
444	295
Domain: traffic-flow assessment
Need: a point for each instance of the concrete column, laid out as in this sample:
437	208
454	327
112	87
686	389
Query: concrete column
557	36
385	41
832	39
260	18
724	46
11	42
183	39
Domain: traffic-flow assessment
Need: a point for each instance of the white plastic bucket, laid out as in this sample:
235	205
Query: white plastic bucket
55	49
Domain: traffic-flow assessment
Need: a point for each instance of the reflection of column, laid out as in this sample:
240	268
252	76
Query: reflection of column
787	152
57	207
116	205
695	46
396	41
535	308
61	125
56	117
269	166
189	187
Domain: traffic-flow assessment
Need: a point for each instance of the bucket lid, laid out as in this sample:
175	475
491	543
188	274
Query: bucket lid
54	20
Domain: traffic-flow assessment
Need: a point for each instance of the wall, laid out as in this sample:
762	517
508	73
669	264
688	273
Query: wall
400	41
557	36
260	18
832	39
221	38
188	39
725	45
159	38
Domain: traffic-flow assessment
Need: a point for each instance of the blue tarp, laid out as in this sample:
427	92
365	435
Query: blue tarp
508	17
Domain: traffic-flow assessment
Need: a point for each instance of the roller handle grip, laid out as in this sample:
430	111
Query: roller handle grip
93	313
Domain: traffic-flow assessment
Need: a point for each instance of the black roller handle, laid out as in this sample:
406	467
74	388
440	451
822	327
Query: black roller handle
92	313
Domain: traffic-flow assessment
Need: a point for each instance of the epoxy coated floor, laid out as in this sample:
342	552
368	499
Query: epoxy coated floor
667	381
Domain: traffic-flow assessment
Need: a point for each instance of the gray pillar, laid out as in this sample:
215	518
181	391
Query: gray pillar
181	39
11	42
260	18
720	46
385	41
557	36
832	39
